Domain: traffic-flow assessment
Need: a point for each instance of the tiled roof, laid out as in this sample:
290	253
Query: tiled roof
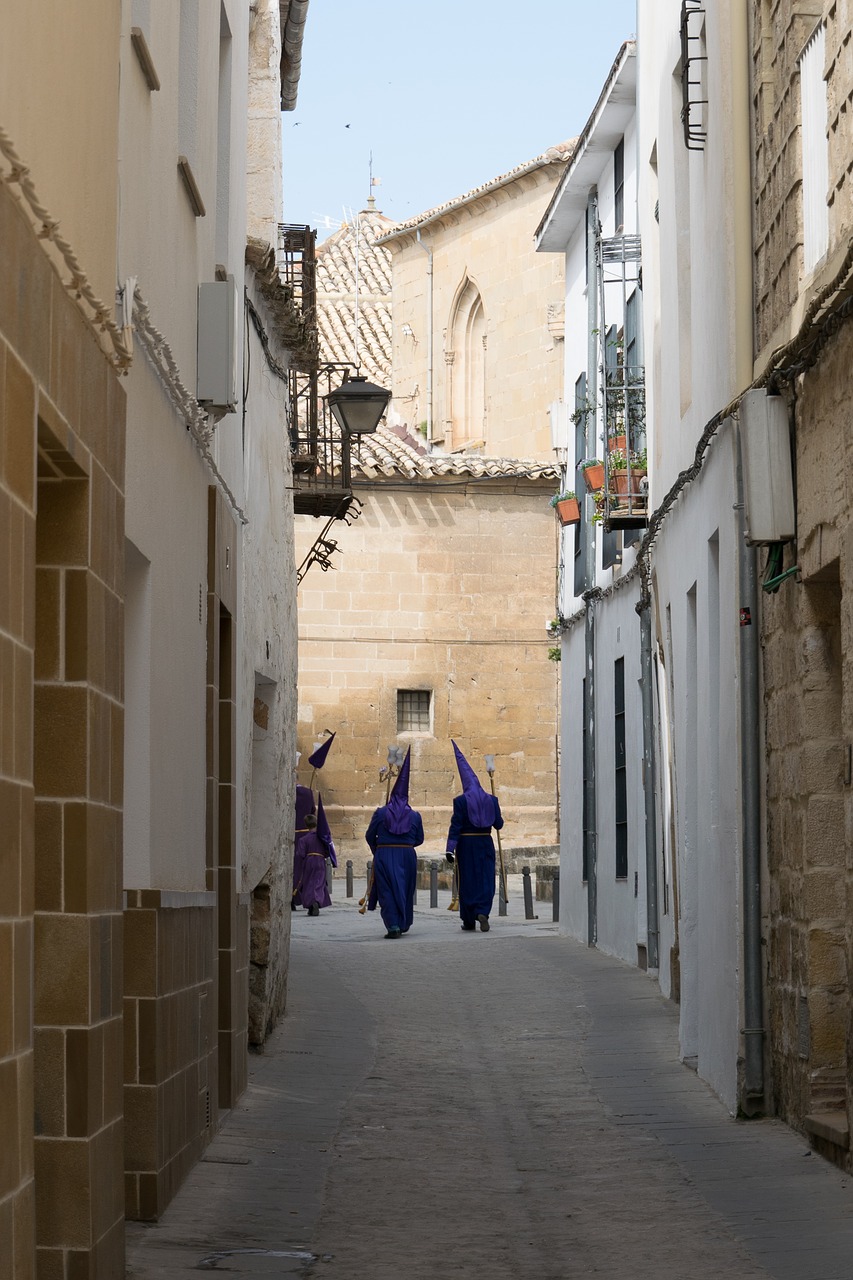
393	452
336	296
561	154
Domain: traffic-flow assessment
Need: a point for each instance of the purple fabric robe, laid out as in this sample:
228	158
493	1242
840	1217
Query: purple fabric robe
309	872
395	868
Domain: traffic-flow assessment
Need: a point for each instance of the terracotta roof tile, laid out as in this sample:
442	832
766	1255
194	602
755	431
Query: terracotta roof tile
388	452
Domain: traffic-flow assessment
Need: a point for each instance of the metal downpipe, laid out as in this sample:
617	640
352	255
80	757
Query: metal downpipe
591	835
428	252
649	789
753	1003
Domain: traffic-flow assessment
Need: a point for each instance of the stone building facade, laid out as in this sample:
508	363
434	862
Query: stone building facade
803	85
432	628
444	584
143	633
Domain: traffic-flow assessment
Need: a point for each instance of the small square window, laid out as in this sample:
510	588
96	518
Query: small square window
413	710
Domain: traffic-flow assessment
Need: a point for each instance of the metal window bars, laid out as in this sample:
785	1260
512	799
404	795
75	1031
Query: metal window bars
623	504
319	450
693	71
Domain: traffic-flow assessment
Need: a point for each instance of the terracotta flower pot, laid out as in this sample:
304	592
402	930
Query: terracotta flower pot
568	511
594	477
619	482
617	442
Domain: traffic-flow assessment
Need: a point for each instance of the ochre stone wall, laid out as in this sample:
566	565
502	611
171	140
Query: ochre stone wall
486	249
444	588
807	638
807	628
62	436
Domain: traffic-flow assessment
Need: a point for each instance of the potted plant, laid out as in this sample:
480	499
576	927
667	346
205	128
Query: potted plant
593	474
617	440
618	471
567	507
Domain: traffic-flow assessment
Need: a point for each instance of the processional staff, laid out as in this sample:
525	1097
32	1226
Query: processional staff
396	756
490	770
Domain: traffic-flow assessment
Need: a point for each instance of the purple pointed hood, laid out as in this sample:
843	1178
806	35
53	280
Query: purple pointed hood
318	759
324	832
398	811
481	806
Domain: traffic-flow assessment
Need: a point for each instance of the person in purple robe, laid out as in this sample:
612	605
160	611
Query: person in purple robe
395	831
304	804
469	842
309	871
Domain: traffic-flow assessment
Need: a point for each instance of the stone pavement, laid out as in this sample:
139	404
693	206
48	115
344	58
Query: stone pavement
507	1105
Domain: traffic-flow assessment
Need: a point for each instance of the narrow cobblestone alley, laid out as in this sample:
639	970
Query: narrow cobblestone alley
507	1106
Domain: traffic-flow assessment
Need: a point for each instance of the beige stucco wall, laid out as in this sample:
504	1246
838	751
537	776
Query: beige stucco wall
263	169
63	134
489	242
441	587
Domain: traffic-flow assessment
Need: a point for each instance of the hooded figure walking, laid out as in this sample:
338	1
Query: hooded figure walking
395	830
469	840
309	864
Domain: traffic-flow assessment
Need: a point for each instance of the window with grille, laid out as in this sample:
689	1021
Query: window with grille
414	708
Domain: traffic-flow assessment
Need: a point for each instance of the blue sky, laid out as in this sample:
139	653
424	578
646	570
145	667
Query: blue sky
445	96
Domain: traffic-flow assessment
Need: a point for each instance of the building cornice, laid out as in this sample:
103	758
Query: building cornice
529	175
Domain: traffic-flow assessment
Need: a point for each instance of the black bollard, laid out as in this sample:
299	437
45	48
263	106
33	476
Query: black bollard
433	884
528	894
349	878
555	890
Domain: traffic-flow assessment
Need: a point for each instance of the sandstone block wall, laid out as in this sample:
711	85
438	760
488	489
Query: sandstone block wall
445	590
806	628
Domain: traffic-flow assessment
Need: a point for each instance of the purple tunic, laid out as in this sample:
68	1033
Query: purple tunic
309	872
395	868
475	857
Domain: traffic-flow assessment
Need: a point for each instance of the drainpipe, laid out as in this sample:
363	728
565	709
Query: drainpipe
649	786
750	704
591	592
428	252
753	1010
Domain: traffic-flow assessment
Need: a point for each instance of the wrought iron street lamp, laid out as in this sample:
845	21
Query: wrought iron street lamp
357	405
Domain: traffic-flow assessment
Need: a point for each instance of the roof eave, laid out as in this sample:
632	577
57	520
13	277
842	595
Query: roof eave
553	156
602	131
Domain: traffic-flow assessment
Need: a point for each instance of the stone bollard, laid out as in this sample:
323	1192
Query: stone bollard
349	878
555	899
528	894
433	884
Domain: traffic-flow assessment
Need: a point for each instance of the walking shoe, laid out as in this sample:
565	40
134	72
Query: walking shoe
469	927
314	909
394	933
483	922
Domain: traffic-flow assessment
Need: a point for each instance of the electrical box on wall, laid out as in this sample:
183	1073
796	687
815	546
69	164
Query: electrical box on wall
217	346
768	483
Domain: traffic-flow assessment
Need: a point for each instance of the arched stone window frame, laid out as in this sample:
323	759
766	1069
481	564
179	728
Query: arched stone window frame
465	359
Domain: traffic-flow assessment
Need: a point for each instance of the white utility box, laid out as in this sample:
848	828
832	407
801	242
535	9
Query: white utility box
768	483
217	346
